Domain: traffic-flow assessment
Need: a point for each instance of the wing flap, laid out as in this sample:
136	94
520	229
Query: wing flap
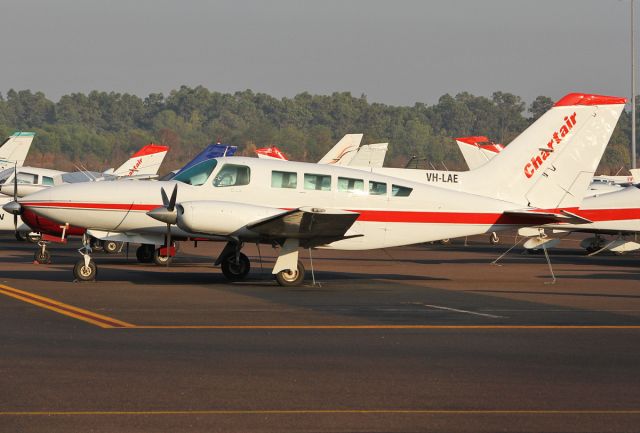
306	223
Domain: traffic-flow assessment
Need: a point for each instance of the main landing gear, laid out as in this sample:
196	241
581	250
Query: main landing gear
291	278
236	265
147	253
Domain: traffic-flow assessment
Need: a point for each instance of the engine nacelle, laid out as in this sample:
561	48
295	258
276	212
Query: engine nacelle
220	217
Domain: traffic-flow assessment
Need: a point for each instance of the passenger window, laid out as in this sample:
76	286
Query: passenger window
377	188
284	179
400	191
232	175
318	182
346	184
46	180
28	178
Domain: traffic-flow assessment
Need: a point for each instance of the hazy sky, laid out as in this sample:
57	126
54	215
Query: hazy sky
395	51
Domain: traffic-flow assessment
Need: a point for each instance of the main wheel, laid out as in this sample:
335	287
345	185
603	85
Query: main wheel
84	272
494	239
144	253
111	247
290	278
34	237
21	237
42	257
96	244
235	271
161	260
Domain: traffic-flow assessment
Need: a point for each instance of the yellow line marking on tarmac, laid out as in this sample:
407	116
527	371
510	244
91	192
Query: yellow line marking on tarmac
111	323
417	327
65	309
334	412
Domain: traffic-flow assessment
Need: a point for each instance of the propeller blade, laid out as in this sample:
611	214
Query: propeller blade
15	223
15	182
174	196
168	244
165	199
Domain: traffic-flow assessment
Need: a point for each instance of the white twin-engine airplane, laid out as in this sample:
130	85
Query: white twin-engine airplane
540	177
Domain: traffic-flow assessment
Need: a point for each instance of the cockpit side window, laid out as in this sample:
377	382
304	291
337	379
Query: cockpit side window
198	174
27	178
232	175
5	174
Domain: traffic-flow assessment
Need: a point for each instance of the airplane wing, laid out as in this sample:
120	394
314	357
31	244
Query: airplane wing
313	226
540	218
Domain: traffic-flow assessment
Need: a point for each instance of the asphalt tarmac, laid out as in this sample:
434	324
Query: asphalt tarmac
422	338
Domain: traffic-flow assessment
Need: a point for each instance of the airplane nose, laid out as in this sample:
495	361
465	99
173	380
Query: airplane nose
13	207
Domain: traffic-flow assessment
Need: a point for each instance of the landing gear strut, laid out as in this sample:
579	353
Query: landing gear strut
85	269
42	256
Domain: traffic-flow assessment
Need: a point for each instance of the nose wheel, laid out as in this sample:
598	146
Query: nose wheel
41	255
85	271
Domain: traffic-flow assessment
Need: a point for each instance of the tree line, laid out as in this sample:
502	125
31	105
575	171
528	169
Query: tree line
100	129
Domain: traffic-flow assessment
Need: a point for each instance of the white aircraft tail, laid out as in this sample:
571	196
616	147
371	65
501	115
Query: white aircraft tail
15	149
145	162
550	165
635	175
370	155
478	150
344	150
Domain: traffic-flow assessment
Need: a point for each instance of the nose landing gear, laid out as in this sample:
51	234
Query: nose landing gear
85	269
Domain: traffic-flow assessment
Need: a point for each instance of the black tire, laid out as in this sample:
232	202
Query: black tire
85	273
21	237
42	257
235	271
494	239
96	244
161	260
291	278
144	253
111	247
34	237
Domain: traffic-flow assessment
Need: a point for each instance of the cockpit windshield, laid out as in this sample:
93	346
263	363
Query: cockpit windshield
5	174
198	174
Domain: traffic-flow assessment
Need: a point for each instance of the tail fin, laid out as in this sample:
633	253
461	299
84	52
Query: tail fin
370	155
477	151
15	149
270	153
145	162
635	174
550	164
344	150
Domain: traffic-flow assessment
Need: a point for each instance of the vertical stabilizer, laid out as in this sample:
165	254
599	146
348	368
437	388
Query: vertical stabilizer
15	149
552	162
145	162
344	150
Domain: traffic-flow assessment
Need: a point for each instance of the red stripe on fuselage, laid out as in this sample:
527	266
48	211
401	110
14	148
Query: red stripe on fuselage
394	216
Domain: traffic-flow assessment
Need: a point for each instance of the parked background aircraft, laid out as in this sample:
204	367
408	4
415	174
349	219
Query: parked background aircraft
14	150
144	163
